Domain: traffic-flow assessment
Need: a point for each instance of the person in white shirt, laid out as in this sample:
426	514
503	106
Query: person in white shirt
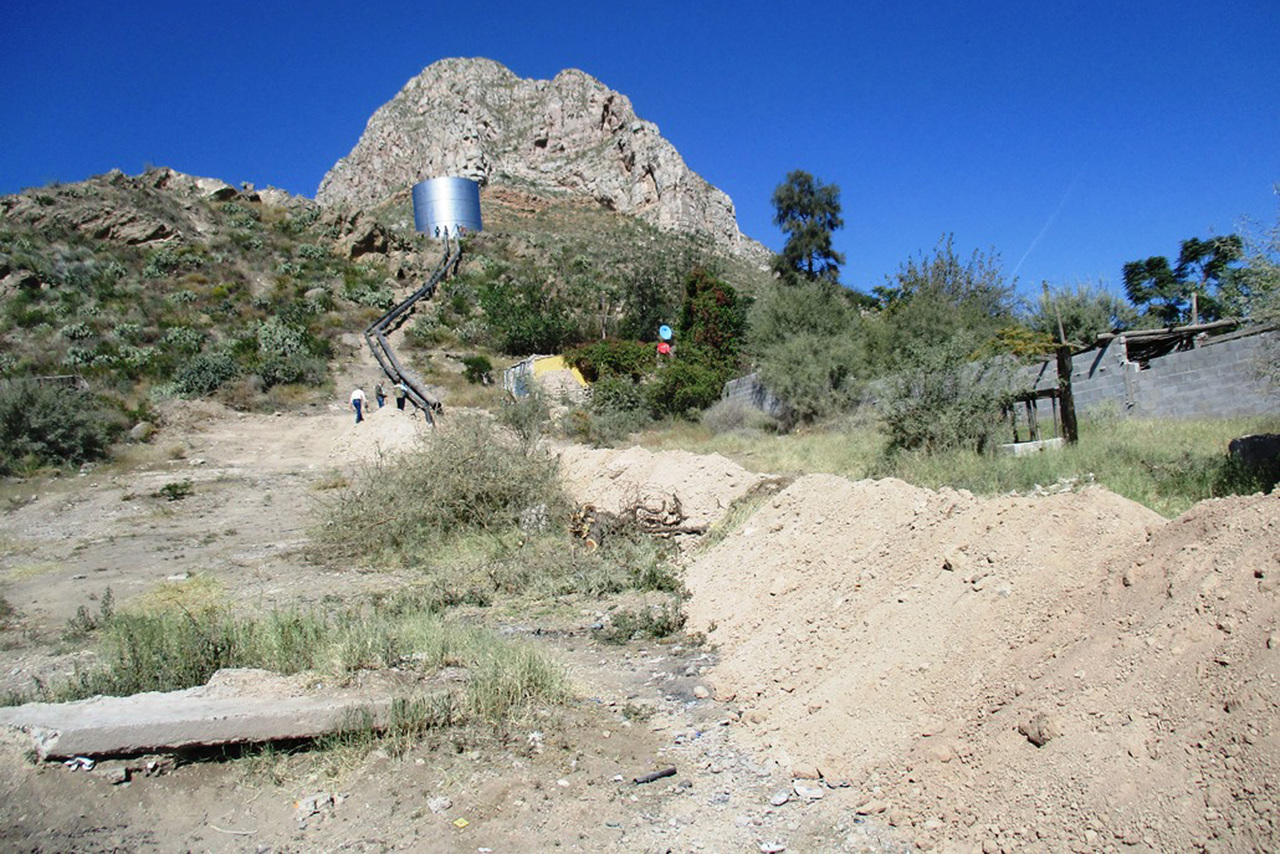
357	403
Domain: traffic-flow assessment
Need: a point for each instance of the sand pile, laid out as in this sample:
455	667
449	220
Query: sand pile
383	432
898	638
612	479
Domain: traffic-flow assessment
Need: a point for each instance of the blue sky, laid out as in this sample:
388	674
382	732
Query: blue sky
1070	137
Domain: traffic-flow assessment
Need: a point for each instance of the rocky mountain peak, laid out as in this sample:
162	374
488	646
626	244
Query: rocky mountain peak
567	137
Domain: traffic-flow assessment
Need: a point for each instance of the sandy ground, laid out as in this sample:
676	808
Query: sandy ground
880	659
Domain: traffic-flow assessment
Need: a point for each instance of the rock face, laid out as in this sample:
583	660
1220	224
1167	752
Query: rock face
571	136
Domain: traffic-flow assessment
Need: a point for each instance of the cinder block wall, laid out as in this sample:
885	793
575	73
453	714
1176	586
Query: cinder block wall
1219	378
752	392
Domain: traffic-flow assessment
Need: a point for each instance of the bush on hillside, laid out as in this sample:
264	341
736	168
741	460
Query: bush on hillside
683	388
478	370
204	373
42	424
525	317
613	357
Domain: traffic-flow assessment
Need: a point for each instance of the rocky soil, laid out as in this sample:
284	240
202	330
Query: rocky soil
887	667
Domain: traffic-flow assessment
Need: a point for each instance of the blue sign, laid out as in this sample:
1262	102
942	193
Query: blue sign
664	332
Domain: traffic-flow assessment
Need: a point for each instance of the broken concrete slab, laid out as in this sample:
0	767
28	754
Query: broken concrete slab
234	710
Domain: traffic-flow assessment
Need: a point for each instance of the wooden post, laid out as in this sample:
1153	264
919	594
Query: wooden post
1069	429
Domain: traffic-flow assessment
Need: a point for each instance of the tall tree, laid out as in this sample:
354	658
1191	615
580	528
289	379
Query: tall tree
807	211
1164	291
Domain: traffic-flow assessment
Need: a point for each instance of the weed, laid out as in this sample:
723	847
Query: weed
1167	464
635	713
181	643
469	478
653	621
175	490
332	480
85	622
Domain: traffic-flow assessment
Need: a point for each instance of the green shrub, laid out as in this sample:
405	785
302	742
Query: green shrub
183	339
311	252
727	416
618	394
426	331
478	370
613	357
165	262
808	345
683	389
42	424
655	621
371	295
526	317
76	331
299	368
176	490
204	373
941	400
527	417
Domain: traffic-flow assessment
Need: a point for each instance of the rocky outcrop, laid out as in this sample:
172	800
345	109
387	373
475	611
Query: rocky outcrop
571	136
156	207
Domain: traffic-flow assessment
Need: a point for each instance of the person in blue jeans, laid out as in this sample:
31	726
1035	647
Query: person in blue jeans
357	403
381	394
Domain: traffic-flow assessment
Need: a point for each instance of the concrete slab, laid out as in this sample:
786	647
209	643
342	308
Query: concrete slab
1022	449
236	711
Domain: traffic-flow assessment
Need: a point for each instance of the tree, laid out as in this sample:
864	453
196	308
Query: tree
1085	312
941	399
1252	290
932	298
807	211
713	318
808	348
1165	291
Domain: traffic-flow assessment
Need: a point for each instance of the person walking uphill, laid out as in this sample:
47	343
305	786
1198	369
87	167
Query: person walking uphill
380	393
402	391
357	403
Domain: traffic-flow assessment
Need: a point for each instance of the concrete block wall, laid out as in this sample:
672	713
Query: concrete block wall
752	392
1219	378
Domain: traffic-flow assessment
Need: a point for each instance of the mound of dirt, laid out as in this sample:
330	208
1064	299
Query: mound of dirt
920	644
383	432
613	479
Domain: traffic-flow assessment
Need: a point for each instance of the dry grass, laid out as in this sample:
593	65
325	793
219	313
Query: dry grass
1167	465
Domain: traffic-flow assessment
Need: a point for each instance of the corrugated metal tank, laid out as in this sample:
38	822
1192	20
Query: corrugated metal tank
448	204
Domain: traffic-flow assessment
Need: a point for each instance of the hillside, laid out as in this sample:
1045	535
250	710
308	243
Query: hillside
165	284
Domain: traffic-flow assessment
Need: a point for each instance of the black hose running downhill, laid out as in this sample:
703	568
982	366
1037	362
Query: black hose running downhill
375	335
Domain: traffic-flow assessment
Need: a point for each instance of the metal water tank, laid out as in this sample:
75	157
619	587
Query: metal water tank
448	204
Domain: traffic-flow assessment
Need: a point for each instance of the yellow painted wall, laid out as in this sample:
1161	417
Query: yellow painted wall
546	364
